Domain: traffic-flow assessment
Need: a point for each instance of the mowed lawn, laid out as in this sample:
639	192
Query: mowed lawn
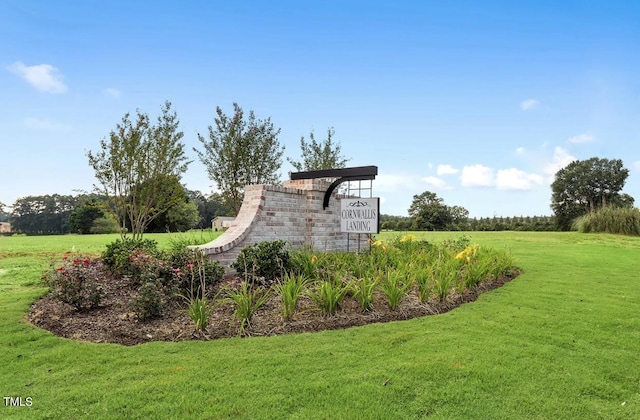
561	341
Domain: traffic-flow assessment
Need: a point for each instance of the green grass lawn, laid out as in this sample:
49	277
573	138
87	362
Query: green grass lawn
560	341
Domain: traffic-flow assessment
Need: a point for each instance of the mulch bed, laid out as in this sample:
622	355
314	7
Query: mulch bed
115	322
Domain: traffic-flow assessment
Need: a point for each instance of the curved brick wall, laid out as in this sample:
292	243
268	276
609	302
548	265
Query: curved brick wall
292	212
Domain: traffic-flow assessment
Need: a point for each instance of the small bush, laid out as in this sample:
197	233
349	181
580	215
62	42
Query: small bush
75	281
117	255
457	245
186	260
152	299
623	221
263	262
104	225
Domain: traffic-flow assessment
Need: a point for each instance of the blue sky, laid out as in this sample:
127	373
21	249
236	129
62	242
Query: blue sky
479	102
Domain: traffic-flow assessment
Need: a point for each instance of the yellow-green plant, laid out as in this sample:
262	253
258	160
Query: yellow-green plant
444	275
247	300
363	289
424	283
328	295
304	262
395	286
290	289
502	263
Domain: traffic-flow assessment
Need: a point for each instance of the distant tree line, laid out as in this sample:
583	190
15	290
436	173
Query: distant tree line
517	223
89	213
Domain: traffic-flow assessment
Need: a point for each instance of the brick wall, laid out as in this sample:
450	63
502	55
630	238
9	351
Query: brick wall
292	212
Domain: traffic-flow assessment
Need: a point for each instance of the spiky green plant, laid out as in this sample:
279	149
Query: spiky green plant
424	283
395	286
363	289
290	289
328	295
247	300
444	275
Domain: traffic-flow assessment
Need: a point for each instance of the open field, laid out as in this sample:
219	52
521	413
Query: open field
560	341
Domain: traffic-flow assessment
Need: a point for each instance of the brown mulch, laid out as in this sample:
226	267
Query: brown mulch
114	321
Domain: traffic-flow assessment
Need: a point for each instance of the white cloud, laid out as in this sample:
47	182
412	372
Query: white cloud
529	104
43	77
636	165
520	151
46	124
393	182
447	170
560	159
581	138
477	176
436	183
113	92
514	179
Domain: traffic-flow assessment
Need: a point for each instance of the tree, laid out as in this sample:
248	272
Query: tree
83	215
134	165
241	152
181	216
208	207
42	215
319	155
429	212
585	186
4	215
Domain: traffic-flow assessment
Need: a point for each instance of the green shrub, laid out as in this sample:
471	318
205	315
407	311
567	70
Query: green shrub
117	254
75	281
263	262
623	221
191	262
104	225
144	266
152	299
457	245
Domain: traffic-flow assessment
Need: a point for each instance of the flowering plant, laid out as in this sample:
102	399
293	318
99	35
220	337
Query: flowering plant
74	281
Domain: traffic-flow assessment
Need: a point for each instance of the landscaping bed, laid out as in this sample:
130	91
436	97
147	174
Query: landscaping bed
136	295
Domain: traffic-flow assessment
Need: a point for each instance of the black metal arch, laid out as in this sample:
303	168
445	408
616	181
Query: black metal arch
359	173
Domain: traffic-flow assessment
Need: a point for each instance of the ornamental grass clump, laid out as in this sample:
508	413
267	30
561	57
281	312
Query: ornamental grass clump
395	286
623	221
247	300
304	262
423	278
475	266
290	289
363	289
444	275
328	295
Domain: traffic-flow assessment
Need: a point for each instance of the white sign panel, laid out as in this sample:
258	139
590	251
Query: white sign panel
360	215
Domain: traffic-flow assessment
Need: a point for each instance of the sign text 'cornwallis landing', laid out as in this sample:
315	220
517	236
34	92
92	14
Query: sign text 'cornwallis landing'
360	215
